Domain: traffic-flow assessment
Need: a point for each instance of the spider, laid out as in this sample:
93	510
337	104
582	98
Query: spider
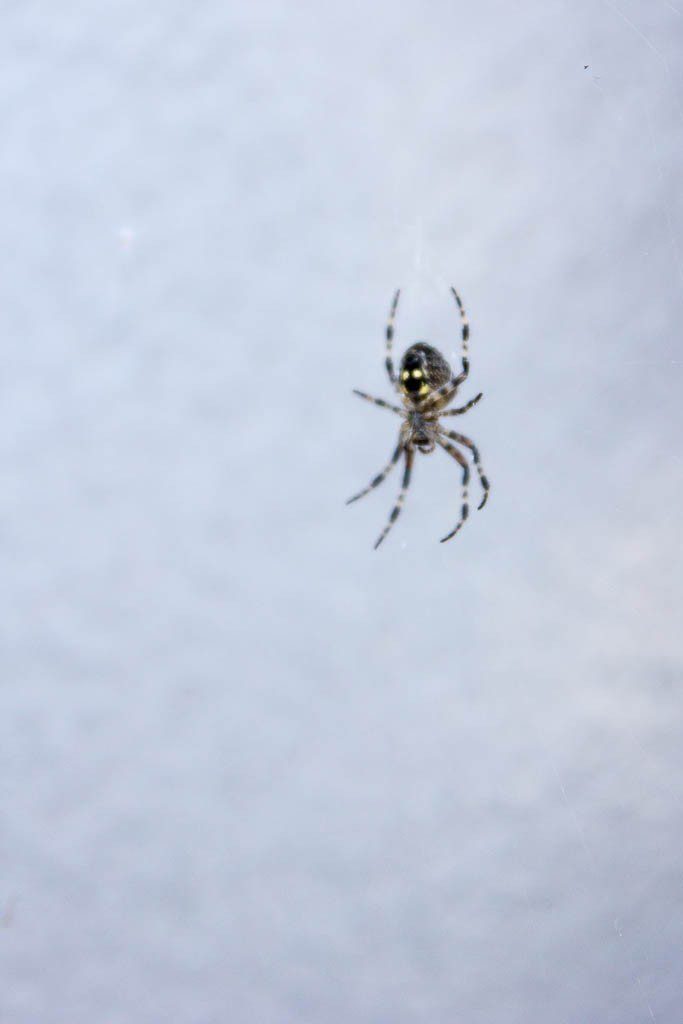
426	385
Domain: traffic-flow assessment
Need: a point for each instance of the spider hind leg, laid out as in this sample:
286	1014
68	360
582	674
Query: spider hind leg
390	339
440	398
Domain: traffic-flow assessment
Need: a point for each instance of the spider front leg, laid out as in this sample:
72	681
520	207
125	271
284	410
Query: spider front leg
395	512
461	460
390	339
380	476
461	439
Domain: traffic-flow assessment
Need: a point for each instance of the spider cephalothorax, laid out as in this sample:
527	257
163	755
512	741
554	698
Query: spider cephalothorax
426	385
419	432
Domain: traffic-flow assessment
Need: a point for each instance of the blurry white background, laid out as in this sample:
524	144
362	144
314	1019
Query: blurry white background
253	770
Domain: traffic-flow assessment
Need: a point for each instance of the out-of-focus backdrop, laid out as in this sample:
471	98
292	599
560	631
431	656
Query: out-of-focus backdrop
252	770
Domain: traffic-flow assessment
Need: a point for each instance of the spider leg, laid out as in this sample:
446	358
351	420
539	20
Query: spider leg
443	395
395	512
463	408
380	476
378	401
465	332
461	439
460	459
390	338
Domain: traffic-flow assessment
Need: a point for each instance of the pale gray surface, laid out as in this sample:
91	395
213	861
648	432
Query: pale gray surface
253	771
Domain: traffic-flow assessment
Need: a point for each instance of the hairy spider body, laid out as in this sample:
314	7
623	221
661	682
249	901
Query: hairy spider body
417	431
423	369
426	385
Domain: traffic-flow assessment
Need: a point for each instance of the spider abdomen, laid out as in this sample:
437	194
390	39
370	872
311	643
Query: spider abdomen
423	370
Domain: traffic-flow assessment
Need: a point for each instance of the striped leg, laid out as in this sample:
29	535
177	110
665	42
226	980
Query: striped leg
395	512
463	408
390	339
461	439
460	459
378	401
465	332
443	395
380	476
439	398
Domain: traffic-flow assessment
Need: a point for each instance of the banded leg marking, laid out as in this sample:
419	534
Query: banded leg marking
378	401
463	408
461	439
390	339
465	330
395	512
443	395
462	461
380	476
